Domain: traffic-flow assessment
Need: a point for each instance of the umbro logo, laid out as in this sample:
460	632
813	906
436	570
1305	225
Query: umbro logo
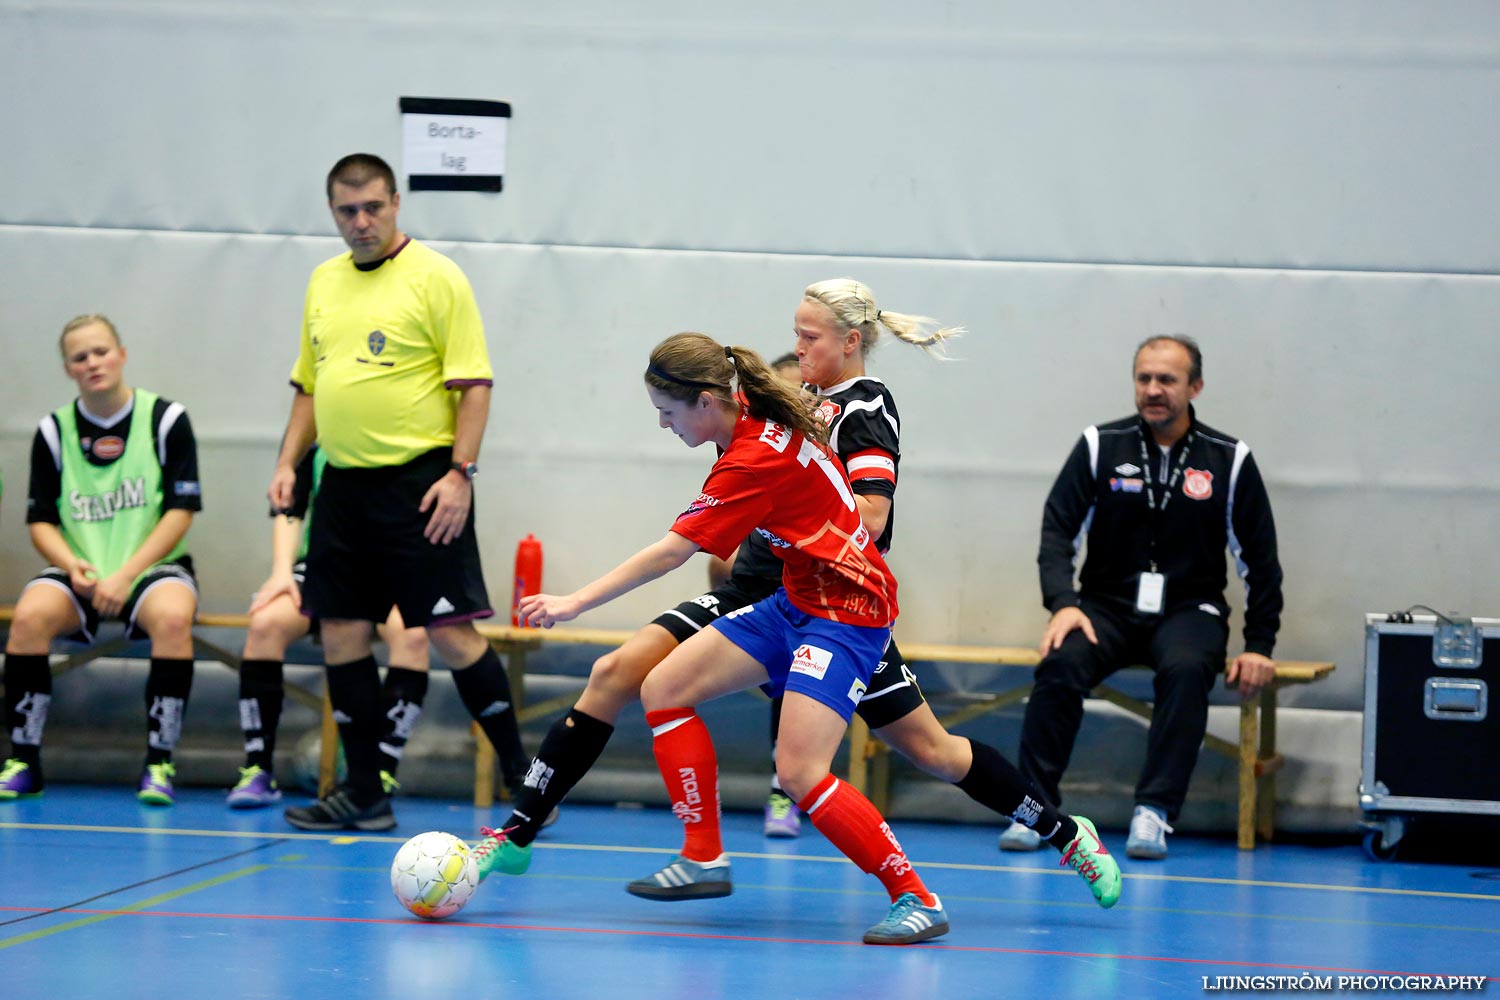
341	717
1127	469
494	708
443	606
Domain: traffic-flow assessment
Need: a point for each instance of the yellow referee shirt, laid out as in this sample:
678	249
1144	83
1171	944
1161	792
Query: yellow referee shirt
385	351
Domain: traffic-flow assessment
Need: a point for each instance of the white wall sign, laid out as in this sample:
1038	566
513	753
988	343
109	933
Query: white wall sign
453	144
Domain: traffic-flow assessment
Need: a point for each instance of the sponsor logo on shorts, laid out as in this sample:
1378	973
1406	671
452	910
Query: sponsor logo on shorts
856	690
108	448
811	660
707	602
1210	609
1197	484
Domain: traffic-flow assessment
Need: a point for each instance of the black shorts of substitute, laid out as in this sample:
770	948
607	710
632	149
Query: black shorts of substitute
178	570
366	552
893	693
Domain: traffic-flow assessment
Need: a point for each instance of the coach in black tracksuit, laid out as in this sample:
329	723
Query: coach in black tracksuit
1160	495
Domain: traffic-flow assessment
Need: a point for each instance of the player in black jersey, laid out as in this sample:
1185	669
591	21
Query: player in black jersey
836	325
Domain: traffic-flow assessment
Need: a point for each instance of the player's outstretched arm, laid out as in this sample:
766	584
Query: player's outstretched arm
655	560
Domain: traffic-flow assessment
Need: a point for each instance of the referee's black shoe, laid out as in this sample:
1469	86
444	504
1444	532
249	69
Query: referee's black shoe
342	811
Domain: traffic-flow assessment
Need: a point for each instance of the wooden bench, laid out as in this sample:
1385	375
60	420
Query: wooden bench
1256	754
509	641
869	760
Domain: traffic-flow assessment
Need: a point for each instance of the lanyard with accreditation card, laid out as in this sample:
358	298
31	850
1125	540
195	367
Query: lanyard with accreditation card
1151	590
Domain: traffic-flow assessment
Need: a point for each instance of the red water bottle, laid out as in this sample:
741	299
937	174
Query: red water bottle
528	574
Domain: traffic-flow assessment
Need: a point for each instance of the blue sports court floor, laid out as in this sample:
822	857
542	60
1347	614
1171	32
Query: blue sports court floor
107	898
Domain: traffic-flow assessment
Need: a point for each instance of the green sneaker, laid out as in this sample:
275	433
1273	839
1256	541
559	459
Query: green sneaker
19	780
497	853
388	782
1091	859
156	784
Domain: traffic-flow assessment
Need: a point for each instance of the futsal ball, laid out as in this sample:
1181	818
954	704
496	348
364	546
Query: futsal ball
434	875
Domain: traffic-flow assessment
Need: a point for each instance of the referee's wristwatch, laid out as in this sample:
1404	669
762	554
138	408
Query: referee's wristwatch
469	469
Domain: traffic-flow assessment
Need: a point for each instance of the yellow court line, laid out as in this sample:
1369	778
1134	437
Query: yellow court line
344	837
132	908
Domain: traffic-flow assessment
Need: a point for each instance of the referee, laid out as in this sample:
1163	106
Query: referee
393	381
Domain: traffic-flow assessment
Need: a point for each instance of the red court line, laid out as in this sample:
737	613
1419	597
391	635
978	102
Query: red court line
680	935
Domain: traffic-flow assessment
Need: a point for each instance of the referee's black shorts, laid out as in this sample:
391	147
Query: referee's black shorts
366	551
893	692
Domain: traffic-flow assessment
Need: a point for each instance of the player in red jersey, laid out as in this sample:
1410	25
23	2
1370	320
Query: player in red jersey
819	638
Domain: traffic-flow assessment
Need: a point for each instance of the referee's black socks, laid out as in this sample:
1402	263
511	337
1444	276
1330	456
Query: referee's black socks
354	691
568	750
997	784
485	691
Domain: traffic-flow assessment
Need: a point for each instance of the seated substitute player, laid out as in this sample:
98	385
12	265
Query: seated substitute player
277	621
836	325
114	486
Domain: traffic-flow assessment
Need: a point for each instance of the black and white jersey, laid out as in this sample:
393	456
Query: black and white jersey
865	434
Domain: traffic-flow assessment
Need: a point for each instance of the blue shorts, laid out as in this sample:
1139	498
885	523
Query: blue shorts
828	661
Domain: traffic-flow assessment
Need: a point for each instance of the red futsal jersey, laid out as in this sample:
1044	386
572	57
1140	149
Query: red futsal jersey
796	494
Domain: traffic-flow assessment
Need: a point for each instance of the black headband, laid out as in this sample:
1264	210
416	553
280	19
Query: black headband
686	383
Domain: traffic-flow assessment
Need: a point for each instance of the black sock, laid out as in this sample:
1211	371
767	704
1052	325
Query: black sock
567	752
401	698
997	784
354	690
262	689
167	688
28	692
485	691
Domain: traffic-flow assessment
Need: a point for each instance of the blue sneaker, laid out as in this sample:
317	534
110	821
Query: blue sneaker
255	789
1148	834
1020	838
19	780
156	784
496	852
684	879
909	922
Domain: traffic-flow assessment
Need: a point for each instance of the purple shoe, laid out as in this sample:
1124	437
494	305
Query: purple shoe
783	818
256	788
156	784
19	780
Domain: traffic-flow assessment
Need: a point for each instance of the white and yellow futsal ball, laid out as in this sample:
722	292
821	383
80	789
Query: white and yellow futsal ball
434	875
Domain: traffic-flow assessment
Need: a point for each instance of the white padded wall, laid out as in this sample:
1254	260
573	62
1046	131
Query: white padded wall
1307	190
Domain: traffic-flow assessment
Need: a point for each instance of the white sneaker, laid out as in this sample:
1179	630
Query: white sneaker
1148	834
1020	838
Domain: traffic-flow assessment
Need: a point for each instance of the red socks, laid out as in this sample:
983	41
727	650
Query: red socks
853	825
685	756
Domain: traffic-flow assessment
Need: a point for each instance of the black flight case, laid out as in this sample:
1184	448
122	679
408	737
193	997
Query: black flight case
1431	741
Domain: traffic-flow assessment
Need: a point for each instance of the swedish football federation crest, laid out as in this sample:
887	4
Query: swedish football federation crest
377	341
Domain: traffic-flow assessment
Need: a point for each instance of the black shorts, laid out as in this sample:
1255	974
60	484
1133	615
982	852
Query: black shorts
366	552
180	570
893	692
